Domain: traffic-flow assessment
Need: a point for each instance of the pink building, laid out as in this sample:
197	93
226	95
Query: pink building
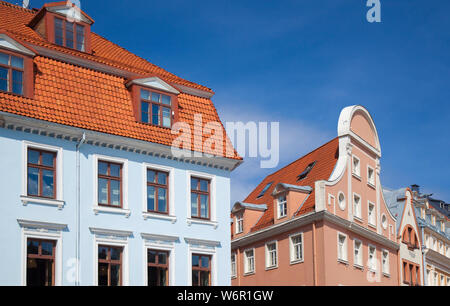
321	220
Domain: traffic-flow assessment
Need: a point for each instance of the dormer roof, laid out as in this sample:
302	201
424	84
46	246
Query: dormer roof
63	8
155	83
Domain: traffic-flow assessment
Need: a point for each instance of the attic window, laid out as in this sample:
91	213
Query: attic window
265	189
305	173
11	73
69	34
156	108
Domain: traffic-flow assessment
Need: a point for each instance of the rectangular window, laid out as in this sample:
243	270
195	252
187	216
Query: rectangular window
69	34
158	268
40	262
239	224
109	265
342	247
157	191
372	216
357	206
296	248
385	262
156	108
282	207
41	173
356	166
372	265
249	263
370	176
200	198
109	184
271	255
11	73
233	265
358	260
201	270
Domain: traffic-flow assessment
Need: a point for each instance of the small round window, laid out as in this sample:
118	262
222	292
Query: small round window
341	200
384	221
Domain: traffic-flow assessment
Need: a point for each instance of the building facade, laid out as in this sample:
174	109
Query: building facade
432	228
321	220
92	191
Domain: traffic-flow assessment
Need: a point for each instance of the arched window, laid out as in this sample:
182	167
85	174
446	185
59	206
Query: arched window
409	237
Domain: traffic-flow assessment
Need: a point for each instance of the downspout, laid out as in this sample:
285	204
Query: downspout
78	214
314	253
425	279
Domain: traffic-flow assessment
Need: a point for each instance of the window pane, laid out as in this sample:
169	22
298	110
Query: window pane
17	82
33	157
102	252
32	247
115	170
205	262
166	117
115	253
145	95
4	79
39	272
194	184
33	181
162	178
80	37
203	185
69	34
17	62
47	248
151	176
162	277
102	168
162	200
151	258
47	159
4	59
59	31
155	97
115	193
152	276
48	183
162	258
165	100
144	112
204	206
195	261
194	205
151	198
155	114
102	191
103	274
204	278
195	275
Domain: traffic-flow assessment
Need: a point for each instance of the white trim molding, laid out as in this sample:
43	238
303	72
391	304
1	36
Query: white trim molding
155	83
45	231
202	247
58	202
11	44
102	209
292	260
213	218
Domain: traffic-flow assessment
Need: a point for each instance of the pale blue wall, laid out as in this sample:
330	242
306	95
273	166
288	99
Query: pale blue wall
12	209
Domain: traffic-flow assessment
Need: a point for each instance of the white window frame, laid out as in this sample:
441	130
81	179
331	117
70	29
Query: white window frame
115	238
233	265
281	203
371	264
43	231
358	261
370	182
342	257
171	193
356	171
239	224
357	212
212	178
343	204
159	243
371	220
202	247
269	265
247	271
59	201
386	268
292	249
100	209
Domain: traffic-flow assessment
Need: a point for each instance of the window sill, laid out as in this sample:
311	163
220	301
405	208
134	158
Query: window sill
271	268
358	177
372	226
50	202
119	211
357	266
358	219
249	273
191	221
343	261
386	275
149	215
295	262
371	185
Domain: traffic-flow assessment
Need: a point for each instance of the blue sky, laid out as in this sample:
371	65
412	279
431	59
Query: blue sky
300	62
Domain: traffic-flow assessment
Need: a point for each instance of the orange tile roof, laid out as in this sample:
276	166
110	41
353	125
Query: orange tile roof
92	100
325	157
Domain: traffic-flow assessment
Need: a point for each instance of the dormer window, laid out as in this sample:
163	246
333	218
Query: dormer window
11	73
69	34
156	108
282	207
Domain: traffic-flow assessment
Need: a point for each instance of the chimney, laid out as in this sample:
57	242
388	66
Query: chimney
415	188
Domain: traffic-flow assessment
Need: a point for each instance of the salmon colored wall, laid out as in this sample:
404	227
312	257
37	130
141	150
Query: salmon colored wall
294	200
250	219
361	127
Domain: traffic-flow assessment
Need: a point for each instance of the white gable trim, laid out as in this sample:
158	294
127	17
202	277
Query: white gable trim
70	12
156	83
7	42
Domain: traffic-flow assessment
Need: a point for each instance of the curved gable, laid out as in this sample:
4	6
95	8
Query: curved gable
361	127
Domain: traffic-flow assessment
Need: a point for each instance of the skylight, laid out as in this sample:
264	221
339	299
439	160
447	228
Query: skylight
265	189
305	173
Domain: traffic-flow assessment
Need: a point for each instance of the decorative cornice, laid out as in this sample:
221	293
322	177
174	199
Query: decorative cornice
160	237
110	232
209	243
42	225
